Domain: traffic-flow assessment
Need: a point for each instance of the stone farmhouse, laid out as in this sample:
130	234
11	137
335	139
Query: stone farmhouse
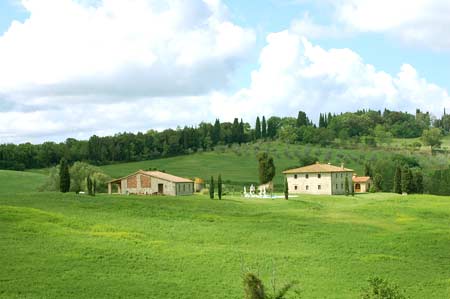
152	183
323	179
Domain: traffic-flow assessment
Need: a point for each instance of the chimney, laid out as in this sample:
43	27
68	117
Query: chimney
342	165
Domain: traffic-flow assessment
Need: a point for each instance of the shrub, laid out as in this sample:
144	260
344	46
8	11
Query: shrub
381	289
372	189
254	288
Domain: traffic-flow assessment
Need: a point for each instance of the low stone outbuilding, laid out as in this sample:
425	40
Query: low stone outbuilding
362	184
199	184
152	183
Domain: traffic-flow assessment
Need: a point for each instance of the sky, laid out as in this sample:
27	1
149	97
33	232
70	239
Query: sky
74	68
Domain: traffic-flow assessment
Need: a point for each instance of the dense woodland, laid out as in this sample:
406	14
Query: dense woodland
366	127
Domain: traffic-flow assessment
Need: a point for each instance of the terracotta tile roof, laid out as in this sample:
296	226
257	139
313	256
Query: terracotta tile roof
167	177
156	174
361	179
318	168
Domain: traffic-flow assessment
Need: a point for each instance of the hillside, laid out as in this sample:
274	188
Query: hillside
20	182
238	164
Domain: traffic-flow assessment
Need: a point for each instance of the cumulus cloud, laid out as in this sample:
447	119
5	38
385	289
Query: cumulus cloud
133	48
73	64
296	75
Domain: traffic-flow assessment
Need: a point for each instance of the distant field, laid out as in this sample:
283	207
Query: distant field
69	246
239	164
19	182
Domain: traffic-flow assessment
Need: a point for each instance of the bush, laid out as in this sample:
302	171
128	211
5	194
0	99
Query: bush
381	289
372	189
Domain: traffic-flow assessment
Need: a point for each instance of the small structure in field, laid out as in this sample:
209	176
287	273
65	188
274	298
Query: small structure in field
199	184
362	184
152	183
325	179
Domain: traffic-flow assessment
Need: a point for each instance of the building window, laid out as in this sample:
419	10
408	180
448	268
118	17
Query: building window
341	175
342	186
319	187
307	187
307	176
184	187
319	176
296	187
295	176
337	187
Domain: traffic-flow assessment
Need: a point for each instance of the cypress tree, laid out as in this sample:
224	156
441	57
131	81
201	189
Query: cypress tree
398	180
89	185
241	132
215	136
352	189
347	190
321	121
419	182
286	189
211	188
264	128
406	180
219	187
258	129
64	176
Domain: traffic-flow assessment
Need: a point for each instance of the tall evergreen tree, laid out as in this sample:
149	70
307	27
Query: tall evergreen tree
398	180
418	178
321	121
352	188
235	136
406	180
286	189
347	189
94	187
211	188
258	129
241	132
215	136
264	128
219	186
64	176
89	185
266	168
302	119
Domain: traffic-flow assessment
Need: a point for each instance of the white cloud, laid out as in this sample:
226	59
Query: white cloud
296	75
419	22
137	47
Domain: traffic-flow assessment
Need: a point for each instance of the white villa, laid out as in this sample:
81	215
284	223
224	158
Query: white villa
324	179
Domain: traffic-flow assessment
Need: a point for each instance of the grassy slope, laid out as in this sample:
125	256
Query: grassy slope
71	246
20	182
239	163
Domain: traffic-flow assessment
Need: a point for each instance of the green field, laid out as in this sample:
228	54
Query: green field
69	246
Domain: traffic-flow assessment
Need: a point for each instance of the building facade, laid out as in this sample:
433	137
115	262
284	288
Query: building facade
320	179
362	184
152	183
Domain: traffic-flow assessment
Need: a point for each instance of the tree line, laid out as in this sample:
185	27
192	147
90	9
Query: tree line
363	126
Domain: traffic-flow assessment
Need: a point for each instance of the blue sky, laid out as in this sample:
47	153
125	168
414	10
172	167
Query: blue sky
75	70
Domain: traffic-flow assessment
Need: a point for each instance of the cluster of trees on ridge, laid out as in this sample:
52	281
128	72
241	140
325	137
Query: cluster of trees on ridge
368	127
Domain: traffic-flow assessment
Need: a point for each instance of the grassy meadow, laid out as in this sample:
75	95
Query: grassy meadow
73	246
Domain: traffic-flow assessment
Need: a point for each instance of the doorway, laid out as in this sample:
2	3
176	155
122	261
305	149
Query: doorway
161	188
